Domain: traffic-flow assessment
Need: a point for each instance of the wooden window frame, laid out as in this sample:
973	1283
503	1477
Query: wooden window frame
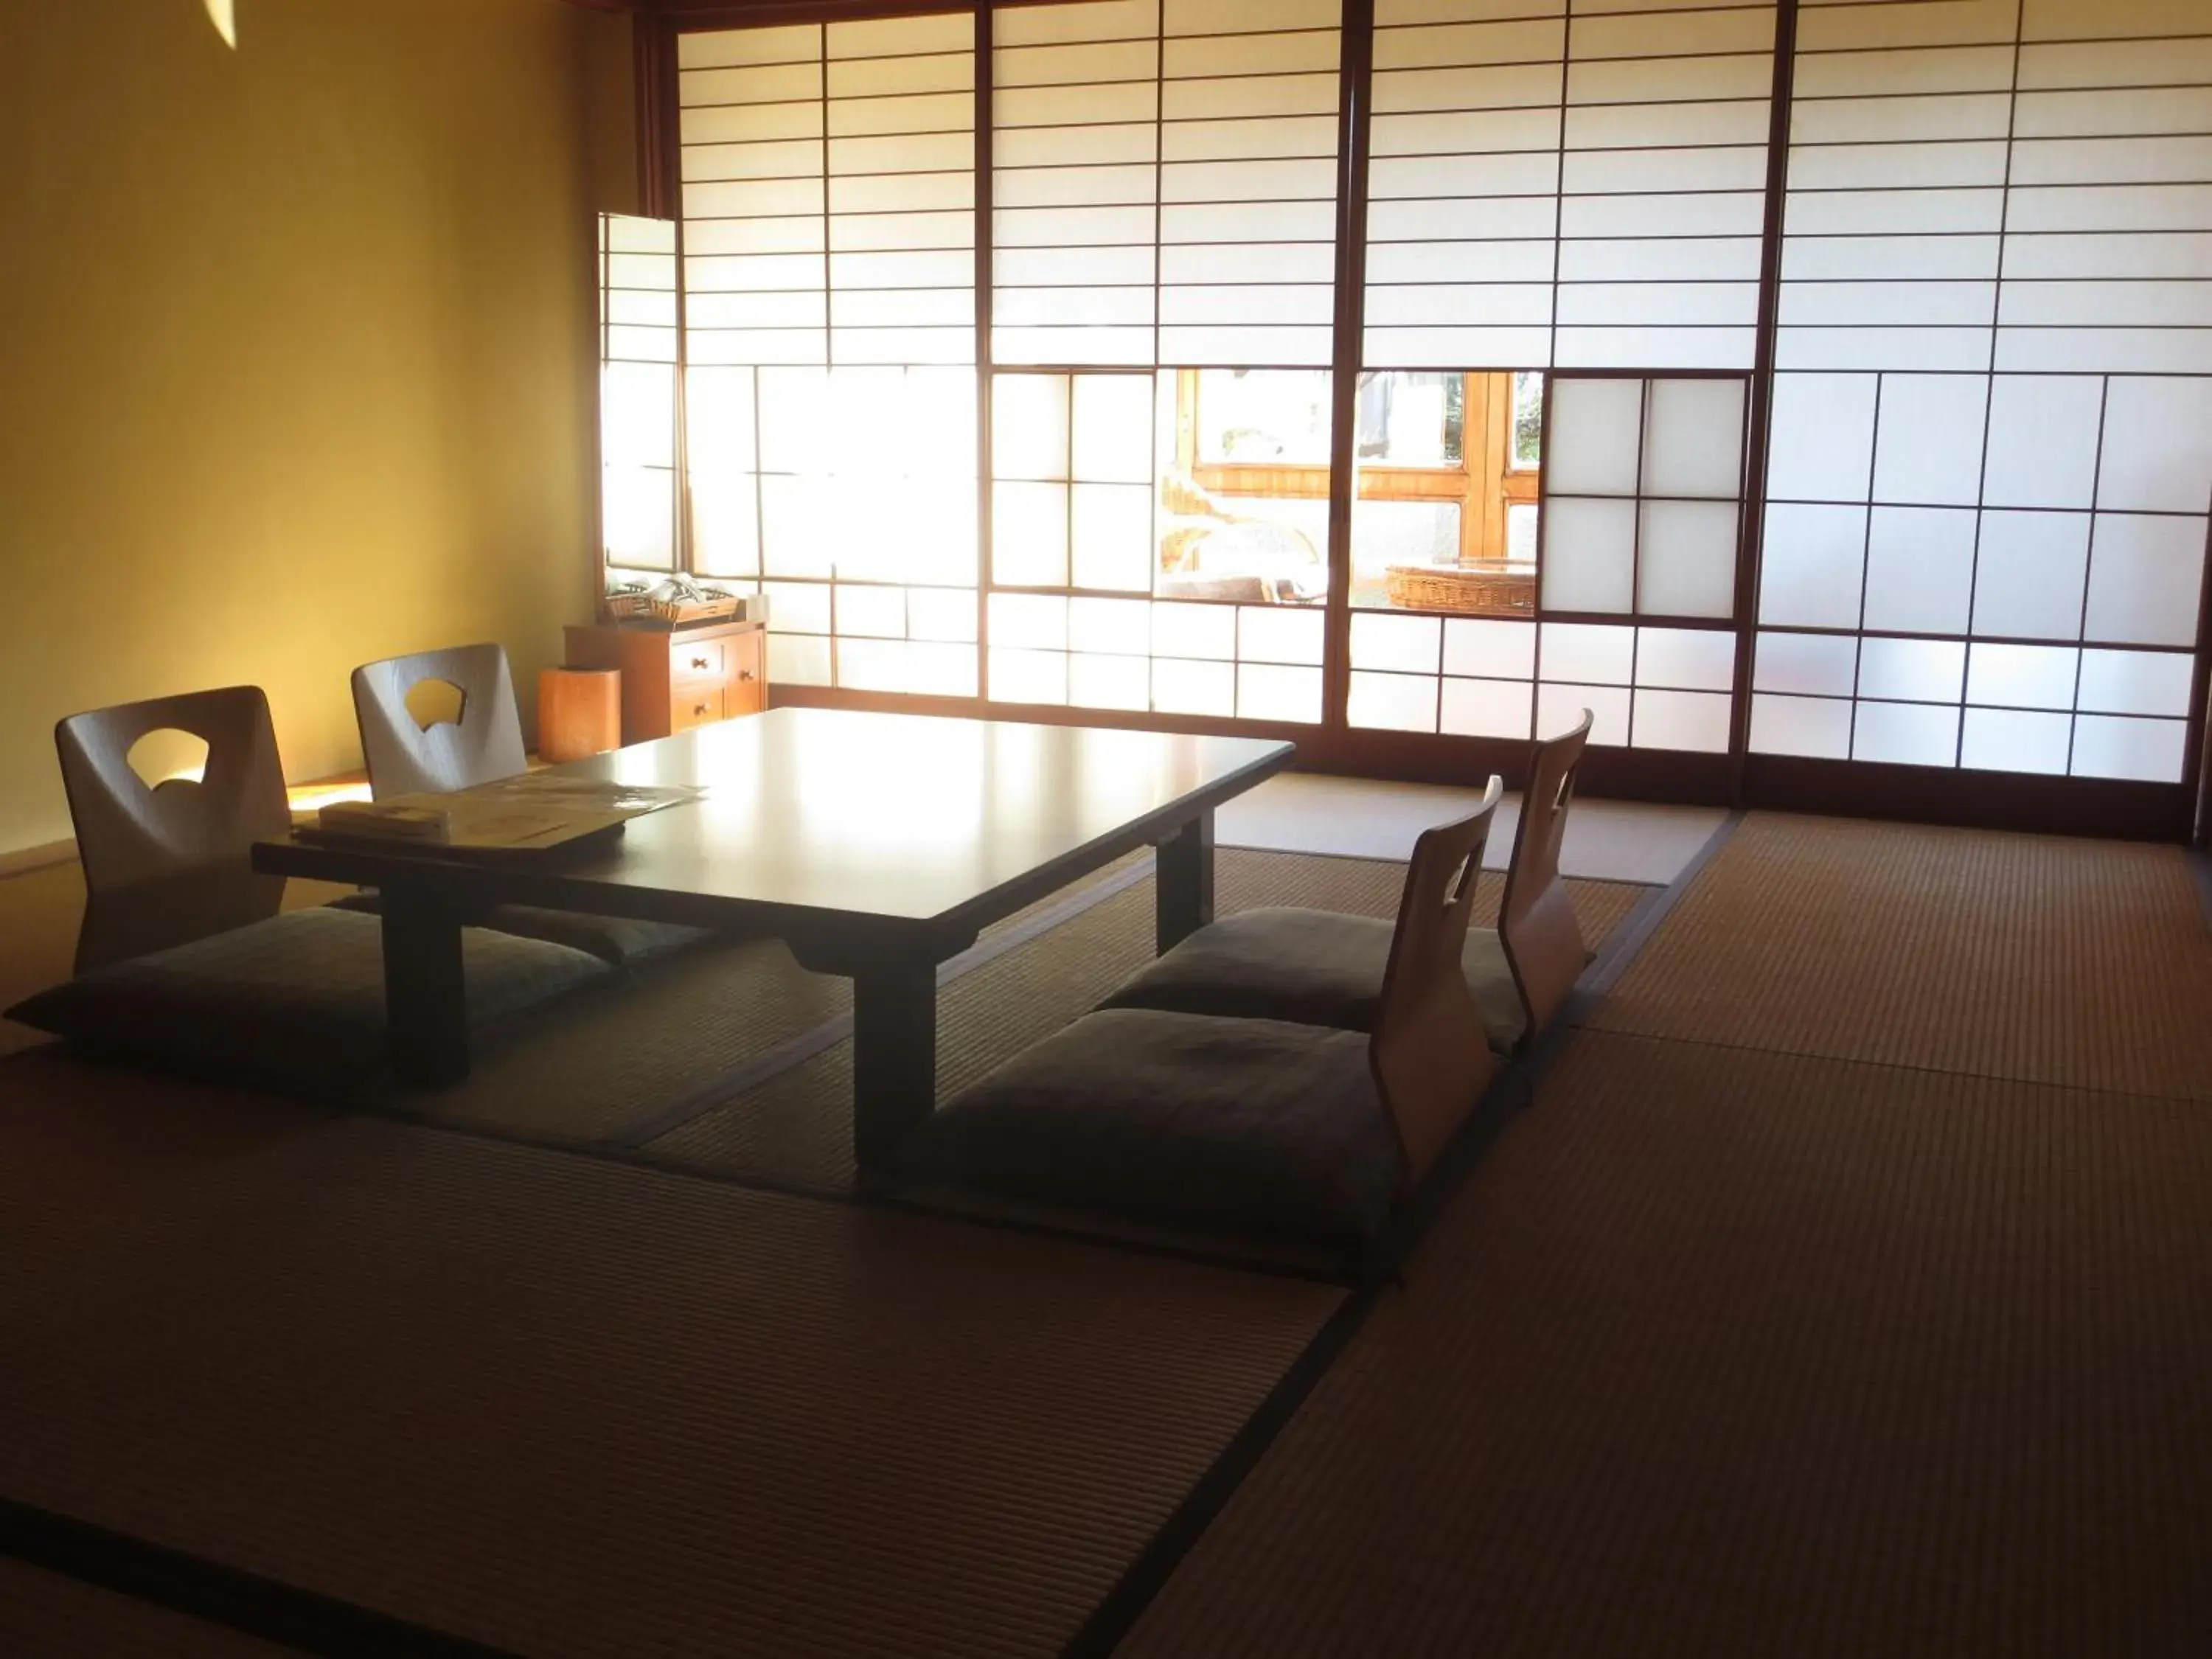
1483	491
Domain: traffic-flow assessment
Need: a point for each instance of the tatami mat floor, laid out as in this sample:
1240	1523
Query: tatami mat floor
44	1615
565	1407
2038	957
1741	1343
1357	817
1844	1292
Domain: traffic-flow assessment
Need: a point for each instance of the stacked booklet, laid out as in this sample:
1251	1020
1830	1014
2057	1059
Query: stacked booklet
532	813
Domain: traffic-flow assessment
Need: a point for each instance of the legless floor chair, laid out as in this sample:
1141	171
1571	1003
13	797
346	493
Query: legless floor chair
165	863
1319	967
1256	1128
186	963
406	757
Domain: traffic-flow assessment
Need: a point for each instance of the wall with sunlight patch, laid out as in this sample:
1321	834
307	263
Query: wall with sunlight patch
296	350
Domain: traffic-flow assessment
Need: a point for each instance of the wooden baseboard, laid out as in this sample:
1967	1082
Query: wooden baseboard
24	860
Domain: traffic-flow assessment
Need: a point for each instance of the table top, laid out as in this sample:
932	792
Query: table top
847	814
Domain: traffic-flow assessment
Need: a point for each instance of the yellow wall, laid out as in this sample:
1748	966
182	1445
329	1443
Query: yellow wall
295	350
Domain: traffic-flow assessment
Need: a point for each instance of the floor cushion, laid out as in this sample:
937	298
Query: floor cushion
295	1003
1260	1128
616	940
1314	967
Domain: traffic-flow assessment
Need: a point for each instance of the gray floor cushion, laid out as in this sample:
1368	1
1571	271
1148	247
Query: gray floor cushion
1316	966
294	1003
1259	1129
615	940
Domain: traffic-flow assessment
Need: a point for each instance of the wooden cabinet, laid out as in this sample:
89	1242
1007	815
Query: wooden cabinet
675	679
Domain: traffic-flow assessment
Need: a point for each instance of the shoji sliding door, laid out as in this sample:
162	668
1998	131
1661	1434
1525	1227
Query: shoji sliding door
1992	462
1420	373
828	264
1561	263
1164	211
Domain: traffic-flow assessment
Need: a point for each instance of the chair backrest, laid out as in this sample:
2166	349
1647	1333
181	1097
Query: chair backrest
1430	1055
169	862
1535	919
405	757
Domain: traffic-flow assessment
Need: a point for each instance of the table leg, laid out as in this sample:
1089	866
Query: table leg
1183	890
425	996
894	1054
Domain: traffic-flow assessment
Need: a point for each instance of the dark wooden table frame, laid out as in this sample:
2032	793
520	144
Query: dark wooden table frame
895	993
893	961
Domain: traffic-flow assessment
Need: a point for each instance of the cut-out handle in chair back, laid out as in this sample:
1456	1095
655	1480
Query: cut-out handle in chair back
405	757
1430	1055
1536	919
168	862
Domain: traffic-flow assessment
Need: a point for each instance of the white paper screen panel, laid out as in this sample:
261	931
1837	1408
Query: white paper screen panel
828	178
1993	423
1583	191
828	193
1164	179
1648	687
1643	491
637	392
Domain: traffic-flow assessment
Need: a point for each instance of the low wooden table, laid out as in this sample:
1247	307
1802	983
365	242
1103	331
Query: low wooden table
877	846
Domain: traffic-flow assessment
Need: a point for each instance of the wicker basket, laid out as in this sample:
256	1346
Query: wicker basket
1473	590
666	613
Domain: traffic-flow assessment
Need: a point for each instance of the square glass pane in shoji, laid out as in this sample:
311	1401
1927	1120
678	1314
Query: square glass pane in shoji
1488	665
1684	681
1029	427
1589	554
1594	435
1112	430
1585	665
1686	559
1444	511
1394	661
1693	438
1029	534
1243	459
1642	482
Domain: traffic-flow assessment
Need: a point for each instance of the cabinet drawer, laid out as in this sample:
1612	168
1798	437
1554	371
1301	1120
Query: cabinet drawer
694	705
746	692
698	660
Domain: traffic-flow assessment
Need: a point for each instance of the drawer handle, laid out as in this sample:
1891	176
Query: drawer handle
744	673
698	662
698	708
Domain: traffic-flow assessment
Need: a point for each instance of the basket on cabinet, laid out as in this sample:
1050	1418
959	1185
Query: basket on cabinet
1491	589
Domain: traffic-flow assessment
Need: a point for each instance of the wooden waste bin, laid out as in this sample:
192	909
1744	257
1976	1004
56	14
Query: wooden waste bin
579	713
